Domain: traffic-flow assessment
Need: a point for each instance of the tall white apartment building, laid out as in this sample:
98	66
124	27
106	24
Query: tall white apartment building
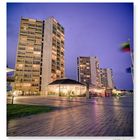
53	52
107	78
89	71
40	55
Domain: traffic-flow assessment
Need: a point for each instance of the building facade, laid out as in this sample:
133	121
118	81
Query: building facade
88	71
107	78
40	55
53	52
67	87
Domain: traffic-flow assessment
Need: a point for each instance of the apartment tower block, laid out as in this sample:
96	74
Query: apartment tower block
107	78
88	71
40	55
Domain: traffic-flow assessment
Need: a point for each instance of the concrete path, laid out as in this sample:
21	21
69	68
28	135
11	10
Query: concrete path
100	117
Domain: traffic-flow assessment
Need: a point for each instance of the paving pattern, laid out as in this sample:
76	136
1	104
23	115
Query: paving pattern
78	117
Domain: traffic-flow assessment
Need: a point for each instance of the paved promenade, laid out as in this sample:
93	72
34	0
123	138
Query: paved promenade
78	117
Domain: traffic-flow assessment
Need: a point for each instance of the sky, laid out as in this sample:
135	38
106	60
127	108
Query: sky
91	29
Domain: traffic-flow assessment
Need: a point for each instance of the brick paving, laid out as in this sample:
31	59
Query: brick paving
95	117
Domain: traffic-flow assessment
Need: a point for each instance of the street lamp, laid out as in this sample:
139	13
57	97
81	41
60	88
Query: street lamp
87	92
13	95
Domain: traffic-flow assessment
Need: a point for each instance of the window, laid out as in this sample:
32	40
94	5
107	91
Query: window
62	42
58	34
35	66
23	38
28	61
21	52
36	62
39	26
27	75
26	84
54	32
30	48
37	53
35	84
20	66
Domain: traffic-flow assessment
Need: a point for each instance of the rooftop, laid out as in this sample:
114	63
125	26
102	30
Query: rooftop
65	81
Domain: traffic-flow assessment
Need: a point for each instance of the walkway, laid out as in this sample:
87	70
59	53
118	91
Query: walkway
100	117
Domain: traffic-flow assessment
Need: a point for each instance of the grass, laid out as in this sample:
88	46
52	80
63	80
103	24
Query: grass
17	110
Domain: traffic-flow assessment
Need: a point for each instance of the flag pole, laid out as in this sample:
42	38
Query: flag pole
131	55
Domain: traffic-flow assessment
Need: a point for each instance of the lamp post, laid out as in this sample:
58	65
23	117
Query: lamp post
13	95
87	92
59	91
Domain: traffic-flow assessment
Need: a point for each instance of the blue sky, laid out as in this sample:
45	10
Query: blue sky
91	29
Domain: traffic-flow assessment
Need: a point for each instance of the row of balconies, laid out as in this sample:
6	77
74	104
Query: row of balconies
30	32
55	40
58	27
30	28
37	28
34	34
29	55
28	20
33	24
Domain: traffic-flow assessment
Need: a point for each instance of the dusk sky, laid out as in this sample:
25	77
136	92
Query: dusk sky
91	29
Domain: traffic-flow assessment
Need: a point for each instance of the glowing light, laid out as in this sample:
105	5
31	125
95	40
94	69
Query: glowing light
23	38
26	84
32	20
29	48
36	80
115	91
58	71
35	66
25	28
37	53
67	89
19	65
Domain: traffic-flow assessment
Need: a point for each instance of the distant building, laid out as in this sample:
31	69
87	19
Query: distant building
10	79
40	55
8	70
88	71
107	78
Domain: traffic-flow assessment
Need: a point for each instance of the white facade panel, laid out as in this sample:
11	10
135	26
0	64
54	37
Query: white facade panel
93	70
47	52
109	78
